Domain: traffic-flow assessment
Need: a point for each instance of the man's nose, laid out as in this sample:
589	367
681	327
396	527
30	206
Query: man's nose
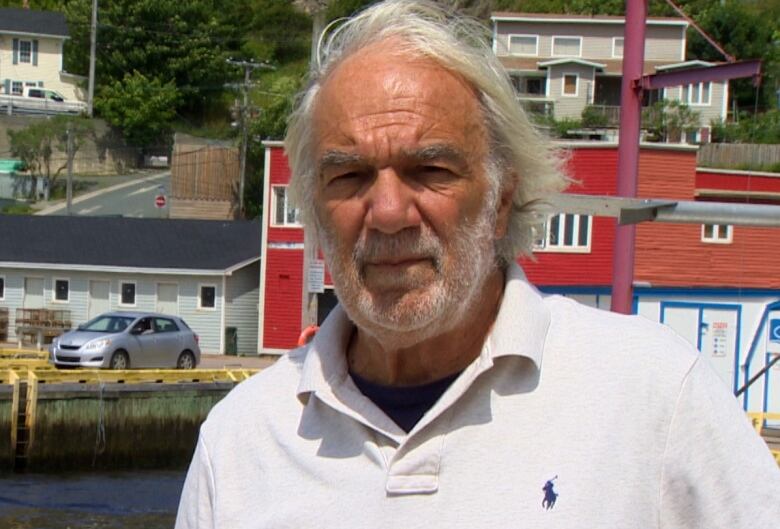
391	204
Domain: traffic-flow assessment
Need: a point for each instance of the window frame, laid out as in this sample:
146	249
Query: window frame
715	238
121	302
17	88
614	47
21	52
573	37
523	35
274	205
576	84
201	286
686	93
54	298
563	248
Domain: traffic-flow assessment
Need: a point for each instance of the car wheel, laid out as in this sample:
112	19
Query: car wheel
119	360
186	361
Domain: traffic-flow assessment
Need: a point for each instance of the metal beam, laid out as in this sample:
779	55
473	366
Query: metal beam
630	211
720	72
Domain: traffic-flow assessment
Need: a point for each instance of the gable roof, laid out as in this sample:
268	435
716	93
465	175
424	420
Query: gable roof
30	22
116	242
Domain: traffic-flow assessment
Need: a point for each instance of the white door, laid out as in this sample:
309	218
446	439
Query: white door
168	298
33	293
772	380
684	321
98	298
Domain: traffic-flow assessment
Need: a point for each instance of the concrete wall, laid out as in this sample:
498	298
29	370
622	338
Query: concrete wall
104	153
207	323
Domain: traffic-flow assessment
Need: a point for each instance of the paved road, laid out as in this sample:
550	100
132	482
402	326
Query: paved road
129	199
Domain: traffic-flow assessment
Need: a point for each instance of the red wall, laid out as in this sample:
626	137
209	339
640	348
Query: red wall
594	170
673	254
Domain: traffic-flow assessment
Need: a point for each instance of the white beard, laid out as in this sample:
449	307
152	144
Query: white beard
400	310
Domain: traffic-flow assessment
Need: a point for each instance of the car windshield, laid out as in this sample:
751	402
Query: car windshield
108	324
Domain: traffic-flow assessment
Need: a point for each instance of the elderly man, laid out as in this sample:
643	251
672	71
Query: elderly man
444	391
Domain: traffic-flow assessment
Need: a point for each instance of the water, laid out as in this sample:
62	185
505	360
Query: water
126	500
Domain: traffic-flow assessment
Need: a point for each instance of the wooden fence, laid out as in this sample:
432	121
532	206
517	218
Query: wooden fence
204	172
739	156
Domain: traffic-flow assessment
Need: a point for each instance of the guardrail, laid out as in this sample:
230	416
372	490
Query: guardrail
30	105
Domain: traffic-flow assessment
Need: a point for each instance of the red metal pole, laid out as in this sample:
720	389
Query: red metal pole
628	150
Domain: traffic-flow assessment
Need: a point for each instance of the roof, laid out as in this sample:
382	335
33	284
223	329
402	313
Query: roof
568	60
28	21
129	242
507	16
609	66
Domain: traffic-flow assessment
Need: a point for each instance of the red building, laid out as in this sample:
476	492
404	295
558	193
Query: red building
693	277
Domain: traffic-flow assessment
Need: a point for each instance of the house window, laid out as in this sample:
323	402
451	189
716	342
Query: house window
61	290
567	46
207	297
17	88
617	47
2	287
524	45
565	232
570	82
284	213
717	233
25	51
696	94
534	86
127	294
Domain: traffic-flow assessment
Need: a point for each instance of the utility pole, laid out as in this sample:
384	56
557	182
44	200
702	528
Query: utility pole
316	9
92	45
69	154
248	67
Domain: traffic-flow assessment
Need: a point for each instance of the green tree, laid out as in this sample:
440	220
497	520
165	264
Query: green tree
37	145
669	120
186	43
140	106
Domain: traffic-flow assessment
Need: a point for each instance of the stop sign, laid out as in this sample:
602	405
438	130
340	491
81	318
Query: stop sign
159	201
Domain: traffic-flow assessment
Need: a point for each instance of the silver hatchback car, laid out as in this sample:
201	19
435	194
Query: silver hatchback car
122	340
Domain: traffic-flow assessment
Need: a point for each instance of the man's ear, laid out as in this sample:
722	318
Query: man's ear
504	206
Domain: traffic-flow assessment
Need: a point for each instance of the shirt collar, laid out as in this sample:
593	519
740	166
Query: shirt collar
520	329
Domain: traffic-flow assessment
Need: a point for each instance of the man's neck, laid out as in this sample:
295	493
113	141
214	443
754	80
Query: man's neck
434	358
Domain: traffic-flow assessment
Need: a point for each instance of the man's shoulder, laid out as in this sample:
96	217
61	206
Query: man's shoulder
616	338
270	392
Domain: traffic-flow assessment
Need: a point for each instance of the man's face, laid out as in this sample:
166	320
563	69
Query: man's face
406	215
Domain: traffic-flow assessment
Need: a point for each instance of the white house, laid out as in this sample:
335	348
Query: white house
561	64
207	272
31	46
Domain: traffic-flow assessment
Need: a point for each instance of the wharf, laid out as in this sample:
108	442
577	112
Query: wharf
73	419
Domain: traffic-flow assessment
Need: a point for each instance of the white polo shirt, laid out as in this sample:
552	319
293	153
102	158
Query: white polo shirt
628	424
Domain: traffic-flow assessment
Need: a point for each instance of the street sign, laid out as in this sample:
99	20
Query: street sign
774	331
316	279
159	201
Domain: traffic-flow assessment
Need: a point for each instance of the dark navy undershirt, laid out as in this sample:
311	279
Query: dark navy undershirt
405	404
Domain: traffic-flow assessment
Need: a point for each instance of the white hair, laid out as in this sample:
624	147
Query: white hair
461	45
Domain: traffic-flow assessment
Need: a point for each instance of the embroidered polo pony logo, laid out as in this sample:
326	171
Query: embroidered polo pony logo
549	494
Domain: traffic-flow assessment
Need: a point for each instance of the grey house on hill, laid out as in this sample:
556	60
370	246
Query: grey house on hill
204	271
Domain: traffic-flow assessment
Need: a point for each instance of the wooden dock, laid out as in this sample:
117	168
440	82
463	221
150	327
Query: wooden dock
53	419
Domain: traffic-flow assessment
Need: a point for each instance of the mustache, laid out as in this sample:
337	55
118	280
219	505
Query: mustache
410	243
